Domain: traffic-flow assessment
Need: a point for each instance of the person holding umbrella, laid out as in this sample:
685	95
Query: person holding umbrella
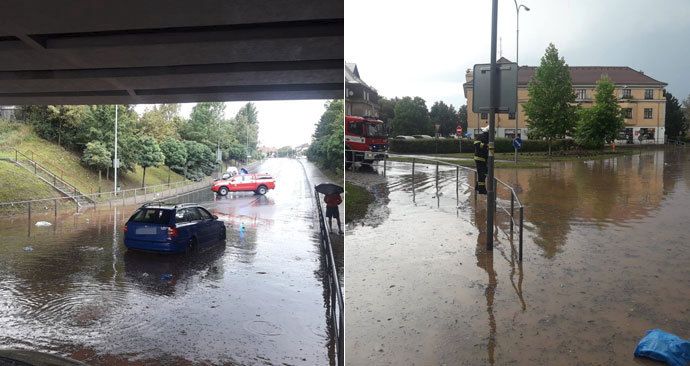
332	198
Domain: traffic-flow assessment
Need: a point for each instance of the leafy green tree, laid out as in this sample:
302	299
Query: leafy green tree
327	144
603	121
676	120
149	155
550	110
97	155
462	117
175	154
387	109
60	124
161	122
445	116
246	128
201	161
285	151
203	122
686	109
411	117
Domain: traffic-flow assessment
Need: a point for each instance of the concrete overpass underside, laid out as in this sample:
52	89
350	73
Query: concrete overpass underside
169	51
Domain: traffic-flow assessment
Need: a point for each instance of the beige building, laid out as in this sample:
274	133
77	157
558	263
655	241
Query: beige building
360	99
642	100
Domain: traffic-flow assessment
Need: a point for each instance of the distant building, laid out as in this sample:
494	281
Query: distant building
360	98
642	100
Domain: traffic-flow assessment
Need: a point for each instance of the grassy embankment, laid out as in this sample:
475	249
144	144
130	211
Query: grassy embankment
357	199
63	163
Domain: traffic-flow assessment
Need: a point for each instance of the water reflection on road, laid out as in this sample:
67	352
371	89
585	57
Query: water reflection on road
605	259
257	298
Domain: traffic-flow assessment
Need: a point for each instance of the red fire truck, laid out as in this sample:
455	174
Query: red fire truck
366	140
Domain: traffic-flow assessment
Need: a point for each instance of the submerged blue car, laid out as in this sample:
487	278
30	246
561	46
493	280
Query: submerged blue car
170	228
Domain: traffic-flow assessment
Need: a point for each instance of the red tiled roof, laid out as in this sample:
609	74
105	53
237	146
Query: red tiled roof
589	75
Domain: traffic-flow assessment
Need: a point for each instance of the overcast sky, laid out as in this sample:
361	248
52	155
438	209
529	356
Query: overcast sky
422	48
281	123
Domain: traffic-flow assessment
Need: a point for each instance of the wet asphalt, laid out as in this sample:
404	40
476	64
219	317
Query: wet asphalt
255	299
605	259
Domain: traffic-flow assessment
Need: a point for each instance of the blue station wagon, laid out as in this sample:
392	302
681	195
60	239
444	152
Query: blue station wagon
171	228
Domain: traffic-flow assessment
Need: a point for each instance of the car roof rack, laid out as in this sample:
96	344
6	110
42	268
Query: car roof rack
163	203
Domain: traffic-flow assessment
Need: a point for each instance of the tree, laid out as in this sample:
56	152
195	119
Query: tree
603	121
327	144
161	122
676	121
96	155
387	109
444	116
411	117
462	117
201	160
203	122
686	109
175	154
149	155
550	109
246	128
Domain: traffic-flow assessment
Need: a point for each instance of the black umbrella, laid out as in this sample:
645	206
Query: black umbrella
329	188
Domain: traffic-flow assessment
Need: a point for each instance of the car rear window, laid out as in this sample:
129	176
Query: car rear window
152	216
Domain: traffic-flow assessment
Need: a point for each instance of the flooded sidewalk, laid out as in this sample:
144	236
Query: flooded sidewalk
256	299
606	258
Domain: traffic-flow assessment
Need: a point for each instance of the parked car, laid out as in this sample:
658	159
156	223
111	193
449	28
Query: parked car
403	137
422	136
171	228
257	183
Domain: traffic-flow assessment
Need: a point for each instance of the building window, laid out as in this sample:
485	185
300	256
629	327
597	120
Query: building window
627	113
647	113
649	94
484	115
511	115
581	94
627	93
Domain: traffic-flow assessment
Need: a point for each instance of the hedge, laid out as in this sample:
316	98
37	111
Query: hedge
449	146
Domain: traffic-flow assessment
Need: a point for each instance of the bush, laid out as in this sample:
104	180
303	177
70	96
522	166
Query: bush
451	146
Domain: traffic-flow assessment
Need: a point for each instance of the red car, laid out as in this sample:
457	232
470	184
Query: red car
258	183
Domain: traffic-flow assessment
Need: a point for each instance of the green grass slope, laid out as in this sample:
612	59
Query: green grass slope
67	164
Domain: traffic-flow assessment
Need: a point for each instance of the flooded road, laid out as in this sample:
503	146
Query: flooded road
606	258
258	298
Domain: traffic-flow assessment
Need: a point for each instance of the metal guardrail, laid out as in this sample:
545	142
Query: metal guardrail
122	197
337	305
337	308
515	202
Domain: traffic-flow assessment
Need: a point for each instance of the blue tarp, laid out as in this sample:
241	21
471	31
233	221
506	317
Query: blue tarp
661	346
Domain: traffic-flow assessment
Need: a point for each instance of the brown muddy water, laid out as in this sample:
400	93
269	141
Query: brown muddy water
256	299
606	258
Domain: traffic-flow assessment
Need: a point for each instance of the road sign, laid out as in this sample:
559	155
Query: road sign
507	80
517	143
458	130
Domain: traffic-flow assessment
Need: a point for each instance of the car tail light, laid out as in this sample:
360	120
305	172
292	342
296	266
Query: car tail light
172	232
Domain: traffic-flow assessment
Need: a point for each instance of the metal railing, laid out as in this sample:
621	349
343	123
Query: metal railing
48	176
337	307
103	199
515	202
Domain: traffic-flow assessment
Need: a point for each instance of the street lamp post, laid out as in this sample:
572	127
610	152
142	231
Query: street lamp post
517	55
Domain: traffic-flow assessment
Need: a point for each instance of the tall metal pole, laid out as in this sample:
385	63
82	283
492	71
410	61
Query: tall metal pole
116	162
517	55
493	105
517	61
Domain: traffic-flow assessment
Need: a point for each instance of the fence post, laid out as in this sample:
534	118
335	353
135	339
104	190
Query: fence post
457	186
384	165
35	172
521	229
512	206
438	199
55	209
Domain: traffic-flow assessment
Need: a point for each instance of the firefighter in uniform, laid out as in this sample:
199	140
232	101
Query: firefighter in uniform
481	153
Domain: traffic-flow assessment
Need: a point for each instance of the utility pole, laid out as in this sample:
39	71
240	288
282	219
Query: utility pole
493	106
116	162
